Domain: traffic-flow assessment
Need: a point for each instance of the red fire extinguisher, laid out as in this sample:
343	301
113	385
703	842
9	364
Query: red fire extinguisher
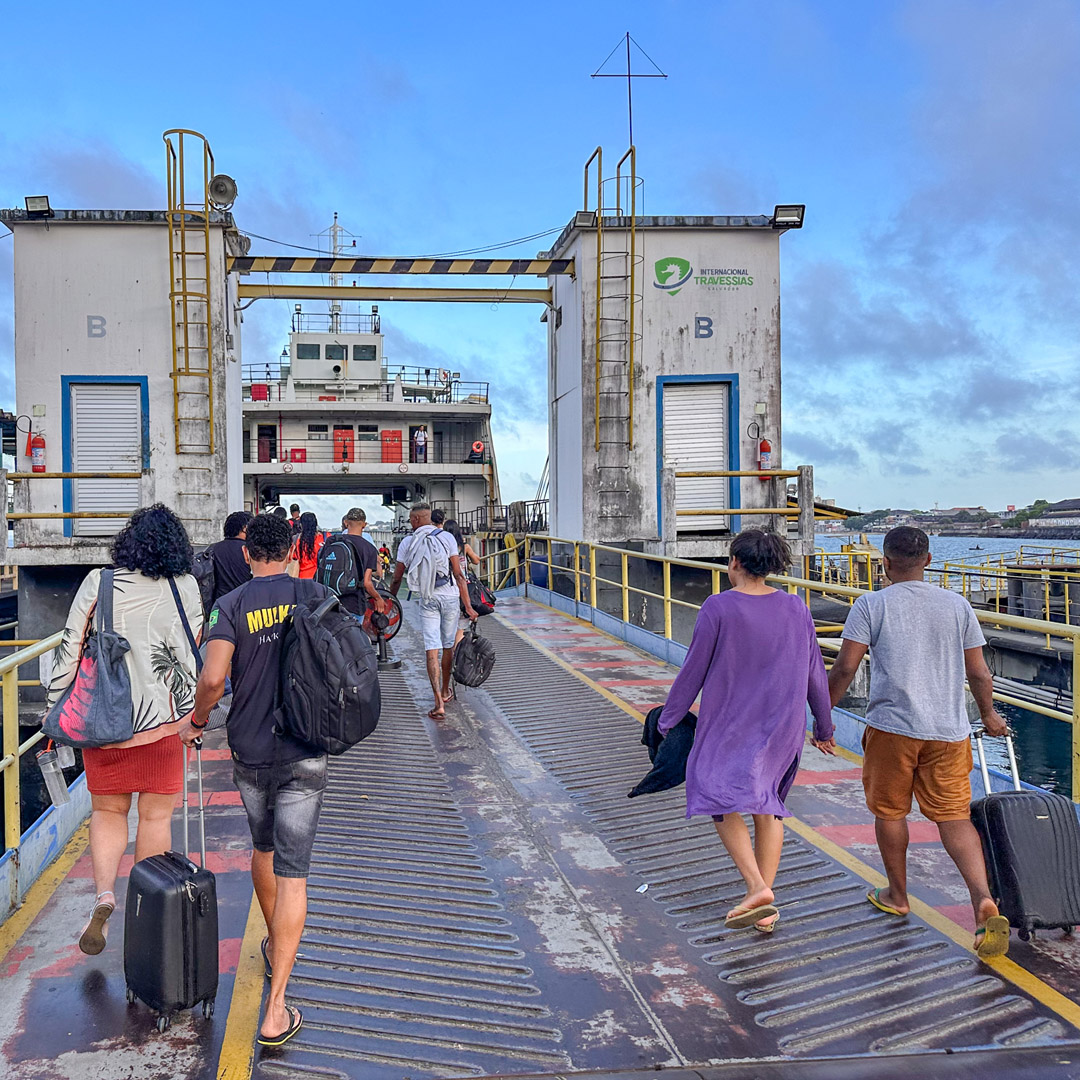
764	458
37	453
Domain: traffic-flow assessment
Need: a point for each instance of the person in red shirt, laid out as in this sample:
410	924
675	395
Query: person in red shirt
305	548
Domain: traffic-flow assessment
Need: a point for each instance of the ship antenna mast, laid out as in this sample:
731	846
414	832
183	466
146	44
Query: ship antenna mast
335	279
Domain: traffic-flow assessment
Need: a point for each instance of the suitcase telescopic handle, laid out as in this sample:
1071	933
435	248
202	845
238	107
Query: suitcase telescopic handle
1010	750
202	808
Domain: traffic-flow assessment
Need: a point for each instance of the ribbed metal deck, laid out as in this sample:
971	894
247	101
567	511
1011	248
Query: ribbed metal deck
474	911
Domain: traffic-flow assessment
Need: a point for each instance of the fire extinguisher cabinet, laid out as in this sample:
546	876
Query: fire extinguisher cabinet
391	447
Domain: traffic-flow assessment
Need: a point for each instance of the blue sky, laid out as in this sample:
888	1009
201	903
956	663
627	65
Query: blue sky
929	306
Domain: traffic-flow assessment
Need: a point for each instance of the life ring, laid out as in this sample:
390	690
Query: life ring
478	447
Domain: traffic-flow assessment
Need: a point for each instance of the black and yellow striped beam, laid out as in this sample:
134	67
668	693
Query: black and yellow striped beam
405	293
288	264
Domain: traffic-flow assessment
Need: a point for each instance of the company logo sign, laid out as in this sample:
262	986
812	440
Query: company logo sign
673	273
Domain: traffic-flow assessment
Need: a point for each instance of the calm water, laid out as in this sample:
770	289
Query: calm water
1043	745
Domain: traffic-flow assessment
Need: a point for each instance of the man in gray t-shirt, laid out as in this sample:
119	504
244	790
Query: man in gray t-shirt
923	642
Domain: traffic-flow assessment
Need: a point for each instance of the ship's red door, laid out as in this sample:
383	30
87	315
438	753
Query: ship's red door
267	442
391	447
344	443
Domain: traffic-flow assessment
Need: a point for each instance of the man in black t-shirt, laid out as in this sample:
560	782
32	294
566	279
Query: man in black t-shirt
281	780
367	558
231	569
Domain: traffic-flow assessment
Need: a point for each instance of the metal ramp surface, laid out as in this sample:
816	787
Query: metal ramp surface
475	912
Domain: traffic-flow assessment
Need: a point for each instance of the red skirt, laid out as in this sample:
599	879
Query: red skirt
155	768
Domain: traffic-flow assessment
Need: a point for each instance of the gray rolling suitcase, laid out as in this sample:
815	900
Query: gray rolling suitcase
1031	843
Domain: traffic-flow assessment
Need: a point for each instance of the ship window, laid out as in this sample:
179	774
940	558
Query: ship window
335	352
367	432
306	351
318	432
364	352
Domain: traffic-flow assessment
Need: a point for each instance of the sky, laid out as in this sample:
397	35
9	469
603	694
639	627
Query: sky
929	306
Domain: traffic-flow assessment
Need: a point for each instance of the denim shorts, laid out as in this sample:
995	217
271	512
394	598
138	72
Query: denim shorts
284	820
439	619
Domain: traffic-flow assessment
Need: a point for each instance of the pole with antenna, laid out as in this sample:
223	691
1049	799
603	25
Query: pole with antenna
629	75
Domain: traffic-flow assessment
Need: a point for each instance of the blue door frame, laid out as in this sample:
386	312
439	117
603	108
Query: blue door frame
734	491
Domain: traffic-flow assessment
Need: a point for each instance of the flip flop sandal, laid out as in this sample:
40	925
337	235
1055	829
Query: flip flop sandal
771	926
741	917
267	968
995	938
288	1033
437	714
874	896
93	938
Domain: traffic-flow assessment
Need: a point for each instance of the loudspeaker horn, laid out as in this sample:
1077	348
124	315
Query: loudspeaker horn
222	191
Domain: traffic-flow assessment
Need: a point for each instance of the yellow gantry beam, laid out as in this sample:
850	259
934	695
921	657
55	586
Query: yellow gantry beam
272	264
389	293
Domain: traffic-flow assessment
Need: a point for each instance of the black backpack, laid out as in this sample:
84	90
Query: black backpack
205	574
329	677
480	596
474	658
337	567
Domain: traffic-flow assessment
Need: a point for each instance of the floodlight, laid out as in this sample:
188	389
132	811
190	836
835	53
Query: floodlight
37	206
789	217
585	219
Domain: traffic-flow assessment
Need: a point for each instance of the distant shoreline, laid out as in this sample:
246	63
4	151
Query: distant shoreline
1030	535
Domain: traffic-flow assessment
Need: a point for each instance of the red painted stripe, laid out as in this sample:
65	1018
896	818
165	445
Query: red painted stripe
808	776
229	955
961	914
613	664
216	798
220	862
920	832
220	754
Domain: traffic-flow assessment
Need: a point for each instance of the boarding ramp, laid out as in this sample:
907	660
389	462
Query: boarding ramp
486	901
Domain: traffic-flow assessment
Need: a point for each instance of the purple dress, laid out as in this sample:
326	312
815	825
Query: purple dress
756	664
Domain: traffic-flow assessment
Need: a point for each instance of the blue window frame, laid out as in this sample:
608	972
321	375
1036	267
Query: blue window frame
66	382
734	491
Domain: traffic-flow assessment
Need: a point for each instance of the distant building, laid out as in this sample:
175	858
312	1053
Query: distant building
1059	515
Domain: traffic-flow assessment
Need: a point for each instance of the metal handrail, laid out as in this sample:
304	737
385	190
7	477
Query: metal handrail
9	735
792	585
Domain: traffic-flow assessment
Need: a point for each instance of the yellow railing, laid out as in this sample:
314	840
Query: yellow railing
9	726
576	566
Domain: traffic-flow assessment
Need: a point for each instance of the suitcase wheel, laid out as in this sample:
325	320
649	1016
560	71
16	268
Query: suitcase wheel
130	995
208	1008
1025	935
1069	930
163	1023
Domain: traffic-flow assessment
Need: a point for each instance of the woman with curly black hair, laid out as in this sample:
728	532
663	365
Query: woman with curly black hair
306	546
150	555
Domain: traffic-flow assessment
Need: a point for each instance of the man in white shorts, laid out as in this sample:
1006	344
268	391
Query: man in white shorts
430	558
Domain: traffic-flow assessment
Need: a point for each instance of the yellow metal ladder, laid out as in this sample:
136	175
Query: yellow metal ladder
190	166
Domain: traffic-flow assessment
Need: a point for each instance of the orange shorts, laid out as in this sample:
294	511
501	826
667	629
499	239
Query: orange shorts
936	772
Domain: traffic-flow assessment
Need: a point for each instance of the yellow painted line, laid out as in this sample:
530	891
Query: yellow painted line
42	890
238	1045
1008	969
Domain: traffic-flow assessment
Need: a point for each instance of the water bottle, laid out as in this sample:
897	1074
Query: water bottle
65	755
54	777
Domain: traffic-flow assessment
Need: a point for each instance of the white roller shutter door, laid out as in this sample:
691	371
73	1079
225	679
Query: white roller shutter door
106	436
696	438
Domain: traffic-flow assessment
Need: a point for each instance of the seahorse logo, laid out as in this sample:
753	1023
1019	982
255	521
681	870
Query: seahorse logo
672	274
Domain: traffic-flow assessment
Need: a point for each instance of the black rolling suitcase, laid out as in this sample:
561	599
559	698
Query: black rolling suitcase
171	927
1031	842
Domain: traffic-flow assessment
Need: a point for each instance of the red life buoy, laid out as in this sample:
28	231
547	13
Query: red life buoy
478	447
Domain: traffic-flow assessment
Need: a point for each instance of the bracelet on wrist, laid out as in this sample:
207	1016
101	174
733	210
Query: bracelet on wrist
200	727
